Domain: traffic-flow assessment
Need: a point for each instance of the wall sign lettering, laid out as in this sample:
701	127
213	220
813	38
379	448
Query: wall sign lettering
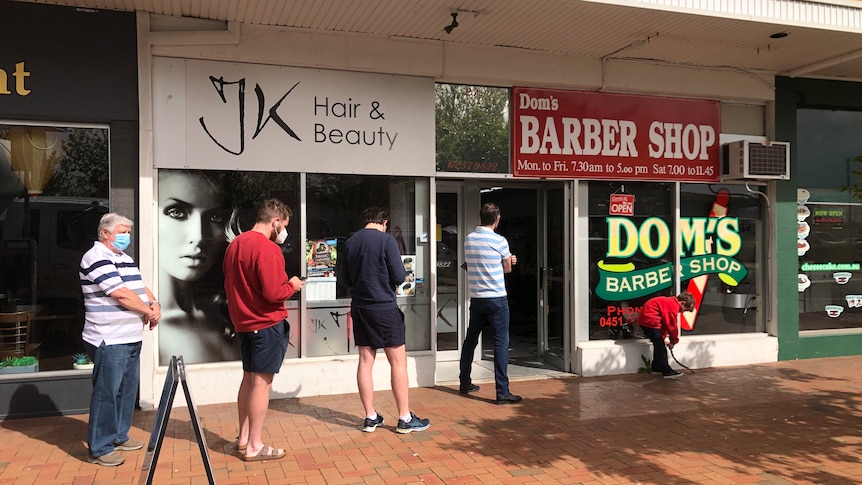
572	134
14	84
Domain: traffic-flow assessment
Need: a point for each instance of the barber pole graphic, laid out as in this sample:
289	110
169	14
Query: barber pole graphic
697	285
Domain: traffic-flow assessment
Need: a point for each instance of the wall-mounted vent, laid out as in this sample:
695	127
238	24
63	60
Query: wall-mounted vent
746	159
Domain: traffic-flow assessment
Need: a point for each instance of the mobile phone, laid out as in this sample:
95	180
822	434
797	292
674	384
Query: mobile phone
302	277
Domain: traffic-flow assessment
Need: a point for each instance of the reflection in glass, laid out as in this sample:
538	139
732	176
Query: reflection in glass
727	308
448	267
53	191
334	205
472	126
830	277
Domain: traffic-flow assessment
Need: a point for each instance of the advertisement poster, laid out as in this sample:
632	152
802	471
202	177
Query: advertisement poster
321	256
574	134
408	288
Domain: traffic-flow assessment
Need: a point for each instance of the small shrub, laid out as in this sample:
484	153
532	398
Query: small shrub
81	359
19	361
647	367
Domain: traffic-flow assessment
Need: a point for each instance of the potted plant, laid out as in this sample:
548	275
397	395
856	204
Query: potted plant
82	361
19	365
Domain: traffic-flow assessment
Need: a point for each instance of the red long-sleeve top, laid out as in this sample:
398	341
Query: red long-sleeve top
662	312
255	282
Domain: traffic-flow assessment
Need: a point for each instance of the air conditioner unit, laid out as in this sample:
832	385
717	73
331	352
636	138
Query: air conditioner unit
744	159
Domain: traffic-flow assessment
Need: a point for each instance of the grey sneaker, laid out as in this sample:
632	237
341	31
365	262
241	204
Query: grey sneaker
111	459
129	445
416	424
371	424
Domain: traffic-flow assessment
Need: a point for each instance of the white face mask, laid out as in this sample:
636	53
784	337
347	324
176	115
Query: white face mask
282	236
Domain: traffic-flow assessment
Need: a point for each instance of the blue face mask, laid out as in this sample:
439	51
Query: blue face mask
122	241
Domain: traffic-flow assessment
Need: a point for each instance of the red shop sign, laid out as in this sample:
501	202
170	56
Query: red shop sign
574	134
622	205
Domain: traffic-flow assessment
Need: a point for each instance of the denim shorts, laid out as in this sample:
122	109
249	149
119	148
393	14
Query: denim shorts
263	351
378	329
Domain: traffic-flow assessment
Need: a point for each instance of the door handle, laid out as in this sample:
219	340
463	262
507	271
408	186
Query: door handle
545	275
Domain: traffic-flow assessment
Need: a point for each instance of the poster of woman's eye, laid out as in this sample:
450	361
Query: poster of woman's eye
199	212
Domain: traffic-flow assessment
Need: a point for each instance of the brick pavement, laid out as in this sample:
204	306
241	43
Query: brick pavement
779	423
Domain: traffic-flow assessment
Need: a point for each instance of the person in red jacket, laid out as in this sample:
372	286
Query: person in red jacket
257	287
658	319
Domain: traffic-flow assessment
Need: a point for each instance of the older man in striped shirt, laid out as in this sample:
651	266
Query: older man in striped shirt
117	306
488	259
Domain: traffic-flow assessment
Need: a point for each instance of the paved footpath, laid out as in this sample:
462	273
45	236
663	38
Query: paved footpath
779	423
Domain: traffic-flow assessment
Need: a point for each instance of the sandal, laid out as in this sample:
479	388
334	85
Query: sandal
266	453
240	448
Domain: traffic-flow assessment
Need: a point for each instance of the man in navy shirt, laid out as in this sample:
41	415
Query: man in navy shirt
371	266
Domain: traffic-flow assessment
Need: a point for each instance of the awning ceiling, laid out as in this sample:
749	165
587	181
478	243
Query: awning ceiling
824	39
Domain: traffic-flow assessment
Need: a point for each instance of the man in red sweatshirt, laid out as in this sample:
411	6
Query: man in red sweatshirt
658	318
257	287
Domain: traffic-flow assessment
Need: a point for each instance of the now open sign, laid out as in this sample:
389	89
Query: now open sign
622	205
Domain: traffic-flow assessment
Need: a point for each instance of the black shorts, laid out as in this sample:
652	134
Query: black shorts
263	351
378	329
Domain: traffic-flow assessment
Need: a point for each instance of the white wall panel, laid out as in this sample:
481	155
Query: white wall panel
459	63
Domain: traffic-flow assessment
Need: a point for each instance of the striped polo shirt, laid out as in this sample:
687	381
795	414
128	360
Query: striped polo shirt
484	252
102	272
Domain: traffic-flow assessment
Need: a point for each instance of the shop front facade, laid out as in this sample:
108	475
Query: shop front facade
299	124
608	173
68	154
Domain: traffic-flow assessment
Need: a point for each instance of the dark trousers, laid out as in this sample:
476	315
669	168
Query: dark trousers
484	312
659	351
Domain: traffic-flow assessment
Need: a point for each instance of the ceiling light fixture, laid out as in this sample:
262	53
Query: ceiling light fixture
449	28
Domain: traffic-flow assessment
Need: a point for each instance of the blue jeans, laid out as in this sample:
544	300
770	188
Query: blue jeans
116	374
494	312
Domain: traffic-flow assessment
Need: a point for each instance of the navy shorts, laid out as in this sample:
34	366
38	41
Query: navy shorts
378	329
263	351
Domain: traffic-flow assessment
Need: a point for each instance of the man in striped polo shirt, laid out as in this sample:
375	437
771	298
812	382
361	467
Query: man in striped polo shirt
488	258
117	306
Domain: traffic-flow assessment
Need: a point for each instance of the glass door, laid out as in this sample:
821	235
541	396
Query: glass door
554	275
450	324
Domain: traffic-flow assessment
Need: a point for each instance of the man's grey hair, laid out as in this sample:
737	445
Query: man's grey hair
111	220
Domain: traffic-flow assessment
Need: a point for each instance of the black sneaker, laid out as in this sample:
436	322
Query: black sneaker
416	424
672	375
467	390
371	424
509	399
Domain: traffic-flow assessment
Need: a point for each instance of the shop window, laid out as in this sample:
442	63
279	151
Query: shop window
830	261
199	212
53	191
829	219
730	286
472	125
630	254
334	211
632	244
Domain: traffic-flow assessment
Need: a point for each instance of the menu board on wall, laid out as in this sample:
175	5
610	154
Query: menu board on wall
572	134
